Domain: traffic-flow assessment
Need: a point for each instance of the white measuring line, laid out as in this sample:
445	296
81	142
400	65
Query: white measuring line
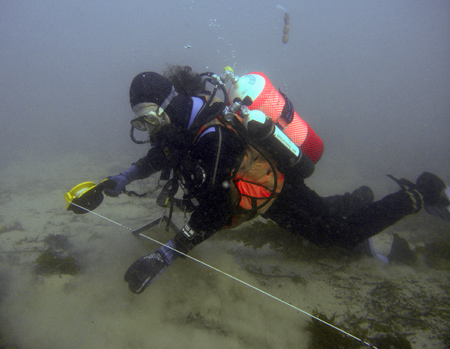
234	278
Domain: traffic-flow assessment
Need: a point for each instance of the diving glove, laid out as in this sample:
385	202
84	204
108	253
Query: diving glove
144	271
116	184
147	268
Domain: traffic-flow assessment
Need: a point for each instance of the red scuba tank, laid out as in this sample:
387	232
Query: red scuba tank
266	98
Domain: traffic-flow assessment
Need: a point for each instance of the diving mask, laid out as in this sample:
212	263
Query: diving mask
150	117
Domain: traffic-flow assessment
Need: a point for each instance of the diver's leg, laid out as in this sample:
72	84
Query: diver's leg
344	205
302	211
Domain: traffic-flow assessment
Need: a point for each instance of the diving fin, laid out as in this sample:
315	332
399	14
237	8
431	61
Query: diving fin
436	195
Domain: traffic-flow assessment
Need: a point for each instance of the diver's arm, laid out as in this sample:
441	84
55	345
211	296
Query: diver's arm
213	213
153	162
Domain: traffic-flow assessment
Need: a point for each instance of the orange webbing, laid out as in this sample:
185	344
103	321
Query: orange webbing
255	181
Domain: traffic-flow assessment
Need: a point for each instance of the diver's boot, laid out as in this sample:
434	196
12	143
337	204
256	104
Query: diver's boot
435	194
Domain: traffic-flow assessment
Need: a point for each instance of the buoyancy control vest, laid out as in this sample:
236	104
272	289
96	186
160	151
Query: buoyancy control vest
255	181
256	184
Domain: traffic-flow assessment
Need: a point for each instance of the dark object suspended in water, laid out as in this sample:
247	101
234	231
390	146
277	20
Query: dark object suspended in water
287	27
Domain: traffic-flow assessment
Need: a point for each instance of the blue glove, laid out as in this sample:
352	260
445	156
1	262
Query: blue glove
117	184
146	269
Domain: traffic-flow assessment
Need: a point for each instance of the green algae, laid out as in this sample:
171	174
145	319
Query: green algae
56	259
50	262
326	337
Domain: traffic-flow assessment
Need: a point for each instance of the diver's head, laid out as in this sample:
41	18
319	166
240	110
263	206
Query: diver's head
156	103
150	95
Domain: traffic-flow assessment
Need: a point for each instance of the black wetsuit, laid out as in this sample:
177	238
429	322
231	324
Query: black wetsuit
338	220
208	181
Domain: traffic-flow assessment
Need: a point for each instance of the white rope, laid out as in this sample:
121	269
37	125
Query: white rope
234	278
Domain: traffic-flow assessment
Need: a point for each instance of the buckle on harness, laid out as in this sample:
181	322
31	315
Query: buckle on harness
288	110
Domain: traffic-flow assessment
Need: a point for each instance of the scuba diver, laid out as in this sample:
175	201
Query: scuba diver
232	164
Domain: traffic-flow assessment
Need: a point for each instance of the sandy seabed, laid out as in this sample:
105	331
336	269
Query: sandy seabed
190	305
